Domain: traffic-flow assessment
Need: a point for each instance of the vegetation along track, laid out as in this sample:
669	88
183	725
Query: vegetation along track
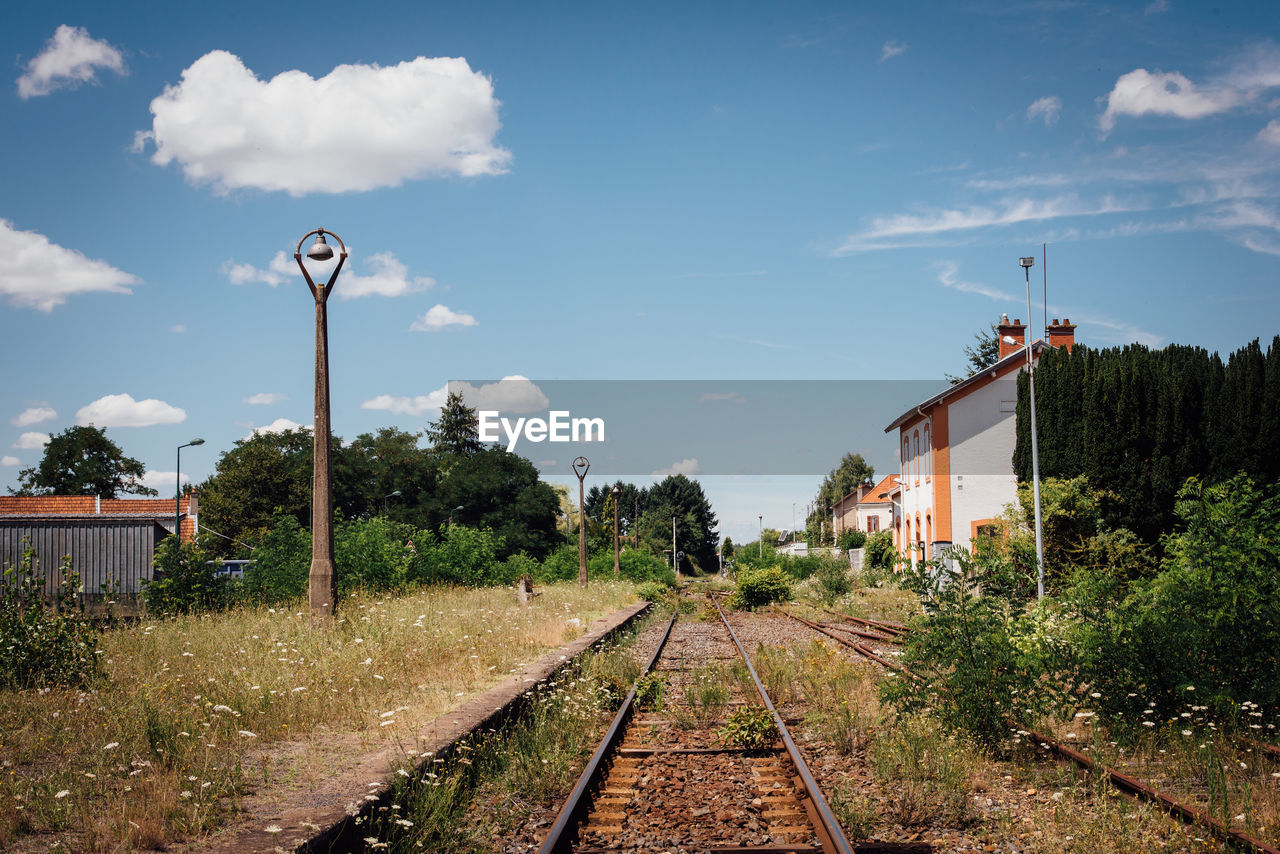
698	759
892	633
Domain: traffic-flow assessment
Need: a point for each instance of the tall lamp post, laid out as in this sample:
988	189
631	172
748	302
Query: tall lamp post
451	512
761	542
580	466
177	491
617	567
385	499
1026	264
322	583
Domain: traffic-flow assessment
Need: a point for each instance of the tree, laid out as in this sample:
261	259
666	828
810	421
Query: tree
386	473
600	507
457	432
839	482
678	496
726	548
83	461
499	490
983	353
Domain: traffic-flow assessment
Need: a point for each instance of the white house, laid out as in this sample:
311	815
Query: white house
955	450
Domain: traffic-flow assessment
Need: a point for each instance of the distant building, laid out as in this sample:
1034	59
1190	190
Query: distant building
867	508
955	450
111	541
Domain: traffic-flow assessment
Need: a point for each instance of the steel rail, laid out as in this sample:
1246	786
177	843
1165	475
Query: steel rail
574	811
1123	782
828	829
879	625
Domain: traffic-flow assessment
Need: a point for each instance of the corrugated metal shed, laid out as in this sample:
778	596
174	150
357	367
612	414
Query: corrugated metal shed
103	549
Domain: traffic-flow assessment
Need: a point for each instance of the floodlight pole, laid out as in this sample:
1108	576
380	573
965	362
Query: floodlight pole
1035	448
580	467
322	583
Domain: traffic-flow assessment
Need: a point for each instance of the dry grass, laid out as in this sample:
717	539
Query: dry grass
158	749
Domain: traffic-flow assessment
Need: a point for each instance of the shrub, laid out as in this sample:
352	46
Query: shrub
43	644
760	587
652	591
851	539
801	568
879	559
635	566
281	563
461	555
751	728
517	565
560	565
833	579
371	554
185	582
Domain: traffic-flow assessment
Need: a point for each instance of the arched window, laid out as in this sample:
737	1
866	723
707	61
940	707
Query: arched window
928	454
928	535
906	463
915	456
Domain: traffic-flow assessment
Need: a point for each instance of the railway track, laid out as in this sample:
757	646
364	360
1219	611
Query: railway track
891	634
664	779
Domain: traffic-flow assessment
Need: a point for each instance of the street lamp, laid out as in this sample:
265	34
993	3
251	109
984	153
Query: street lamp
617	569
451	512
177	491
322	583
1026	264
384	500
580	467
761	542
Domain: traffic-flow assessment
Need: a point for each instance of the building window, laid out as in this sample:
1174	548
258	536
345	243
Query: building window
906	463
915	457
928	454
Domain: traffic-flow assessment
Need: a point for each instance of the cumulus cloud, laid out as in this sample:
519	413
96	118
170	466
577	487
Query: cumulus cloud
121	410
178	328
358	128
264	398
280	425
892	49
163	481
1141	92
387	277
512	394
32	441
9	461
440	316
40	274
686	467
70	58
33	415
1047	109
1156	7
1271	133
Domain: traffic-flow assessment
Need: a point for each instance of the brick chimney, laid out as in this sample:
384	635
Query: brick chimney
1014	330
1062	334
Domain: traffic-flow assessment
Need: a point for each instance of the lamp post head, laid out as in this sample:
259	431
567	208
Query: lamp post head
393	494
320	250
617	491
196	442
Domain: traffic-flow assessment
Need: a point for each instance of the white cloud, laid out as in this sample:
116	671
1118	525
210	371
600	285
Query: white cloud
280	425
1047	108
389	279
1271	133
40	274
1140	92
32	441
278	271
512	394
264	398
121	410
1156	7
33	415
686	467
70	58
931	227
949	277
438	317
178	328
162	481
358	128
1019	183
891	49
9	461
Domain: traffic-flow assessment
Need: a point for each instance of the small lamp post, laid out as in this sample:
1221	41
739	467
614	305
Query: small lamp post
617	566
385	498
177	491
451	512
322	583
580	467
1026	264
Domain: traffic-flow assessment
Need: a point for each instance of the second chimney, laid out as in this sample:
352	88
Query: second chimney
1016	331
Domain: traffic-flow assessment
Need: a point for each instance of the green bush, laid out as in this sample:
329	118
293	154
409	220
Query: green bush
560	565
879	558
653	591
517	565
833	578
851	539
760	587
281	563
460	555
752	728
636	566
801	568
184	582
43	643
371	554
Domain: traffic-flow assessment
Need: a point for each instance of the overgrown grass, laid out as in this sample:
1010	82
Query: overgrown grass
159	747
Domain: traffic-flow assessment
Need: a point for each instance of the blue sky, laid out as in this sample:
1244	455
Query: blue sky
607	191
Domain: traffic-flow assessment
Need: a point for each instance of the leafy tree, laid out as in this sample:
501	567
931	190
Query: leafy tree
600	507
370	469
280	564
44	638
983	353
500	491
261	474
839	482
83	461
726	548
184	582
678	496
457	432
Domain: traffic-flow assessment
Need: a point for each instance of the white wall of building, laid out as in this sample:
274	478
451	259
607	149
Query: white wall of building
981	427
